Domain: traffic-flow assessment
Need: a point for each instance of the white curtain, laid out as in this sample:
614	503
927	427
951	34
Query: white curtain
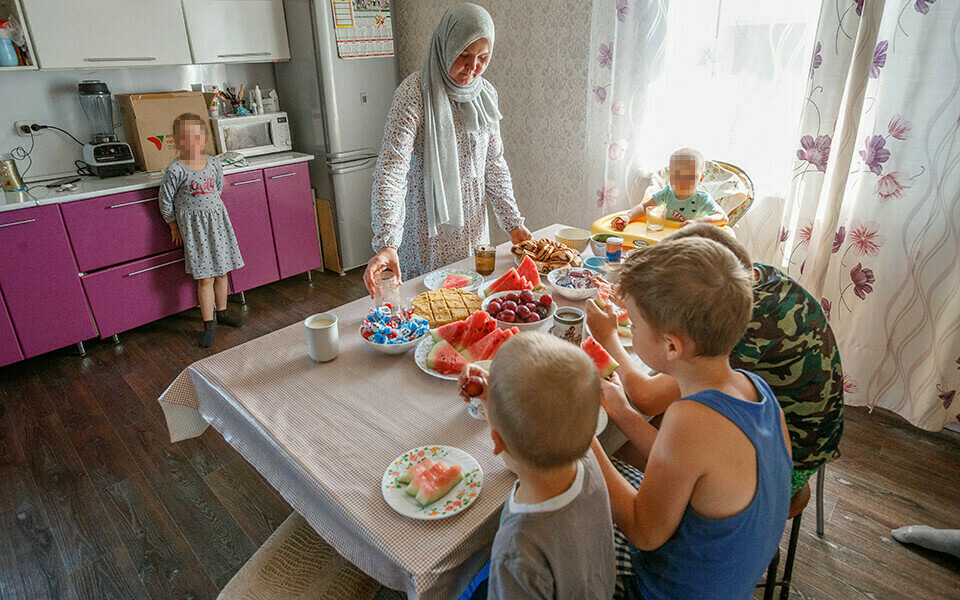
872	218
724	76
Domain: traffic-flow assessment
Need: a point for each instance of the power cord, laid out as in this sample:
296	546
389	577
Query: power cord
82	168
21	153
58	129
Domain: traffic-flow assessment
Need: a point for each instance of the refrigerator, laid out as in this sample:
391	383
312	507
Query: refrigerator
337	109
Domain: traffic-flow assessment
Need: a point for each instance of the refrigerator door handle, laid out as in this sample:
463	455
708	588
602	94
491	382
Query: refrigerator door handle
357	166
340	157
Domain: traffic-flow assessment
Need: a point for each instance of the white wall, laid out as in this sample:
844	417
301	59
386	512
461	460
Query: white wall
51	98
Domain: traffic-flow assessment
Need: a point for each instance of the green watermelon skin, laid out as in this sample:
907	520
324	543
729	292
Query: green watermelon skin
451	332
604	362
439	485
455	280
485	347
427	474
444	359
414	470
528	270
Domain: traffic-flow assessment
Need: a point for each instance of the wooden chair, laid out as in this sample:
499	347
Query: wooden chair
797	504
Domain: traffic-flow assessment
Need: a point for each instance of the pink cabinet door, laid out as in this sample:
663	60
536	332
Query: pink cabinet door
9	346
293	218
138	292
109	230
40	282
245	197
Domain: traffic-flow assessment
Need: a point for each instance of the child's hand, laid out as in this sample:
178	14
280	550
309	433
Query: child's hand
473	382
613	398
602	323
175	234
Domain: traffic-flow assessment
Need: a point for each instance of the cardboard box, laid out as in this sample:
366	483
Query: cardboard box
328	236
148	123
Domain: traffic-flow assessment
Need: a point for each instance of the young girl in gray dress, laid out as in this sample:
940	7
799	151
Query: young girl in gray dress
190	204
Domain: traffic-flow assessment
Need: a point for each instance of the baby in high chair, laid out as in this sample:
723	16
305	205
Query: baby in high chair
683	201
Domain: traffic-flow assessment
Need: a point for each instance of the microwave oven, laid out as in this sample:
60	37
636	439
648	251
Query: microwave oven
252	135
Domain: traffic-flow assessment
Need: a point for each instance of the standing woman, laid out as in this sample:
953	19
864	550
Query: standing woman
442	154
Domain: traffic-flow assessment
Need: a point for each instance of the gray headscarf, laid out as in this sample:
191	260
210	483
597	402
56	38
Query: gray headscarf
460	26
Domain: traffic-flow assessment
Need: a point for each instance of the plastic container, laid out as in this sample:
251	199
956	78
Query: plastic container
8	55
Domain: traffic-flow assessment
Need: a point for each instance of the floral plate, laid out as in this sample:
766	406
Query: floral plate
457	500
434	280
420	356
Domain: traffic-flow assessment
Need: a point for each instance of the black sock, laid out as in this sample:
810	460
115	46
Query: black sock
225	319
209	328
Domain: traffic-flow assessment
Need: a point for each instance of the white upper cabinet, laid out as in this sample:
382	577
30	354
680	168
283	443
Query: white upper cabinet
236	30
72	34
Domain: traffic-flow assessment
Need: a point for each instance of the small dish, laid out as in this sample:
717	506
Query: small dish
520	324
434	280
570	274
598	243
595	263
576	238
399	348
462	496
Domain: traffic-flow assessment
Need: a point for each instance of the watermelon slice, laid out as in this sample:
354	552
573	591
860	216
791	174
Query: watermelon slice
414	470
508	281
456	280
444	359
525	284
485	347
434	483
623	319
625	332
479	324
605	363
528	270
452	332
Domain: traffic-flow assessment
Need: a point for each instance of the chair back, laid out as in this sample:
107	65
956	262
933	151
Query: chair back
726	183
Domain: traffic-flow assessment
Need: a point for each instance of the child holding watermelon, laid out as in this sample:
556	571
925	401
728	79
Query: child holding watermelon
542	402
705	517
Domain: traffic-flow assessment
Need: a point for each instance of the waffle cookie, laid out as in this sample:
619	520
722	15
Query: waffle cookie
446	305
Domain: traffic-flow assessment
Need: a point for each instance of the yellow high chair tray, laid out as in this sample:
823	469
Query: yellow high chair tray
635	234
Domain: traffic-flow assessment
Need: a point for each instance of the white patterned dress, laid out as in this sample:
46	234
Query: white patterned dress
192	198
398	203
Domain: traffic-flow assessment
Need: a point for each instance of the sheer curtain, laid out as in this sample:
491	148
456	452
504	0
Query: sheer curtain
724	76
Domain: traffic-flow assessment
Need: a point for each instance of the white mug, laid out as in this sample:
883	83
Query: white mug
323	340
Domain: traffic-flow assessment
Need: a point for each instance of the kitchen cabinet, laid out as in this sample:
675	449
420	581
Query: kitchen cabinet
10	9
138	292
245	197
9	346
40	283
107	33
109	230
224	31
294	220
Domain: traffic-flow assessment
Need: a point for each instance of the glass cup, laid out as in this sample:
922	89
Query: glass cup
387	290
486	259
656	217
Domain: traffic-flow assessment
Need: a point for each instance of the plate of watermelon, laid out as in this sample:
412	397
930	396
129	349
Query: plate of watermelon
447	349
522	277
432	482
464	279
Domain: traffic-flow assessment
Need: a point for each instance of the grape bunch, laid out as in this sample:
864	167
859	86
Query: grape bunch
522	307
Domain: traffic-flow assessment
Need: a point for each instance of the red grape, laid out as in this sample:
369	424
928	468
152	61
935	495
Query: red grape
533	318
526	296
523	312
507	316
546	300
493	308
532	306
542	312
511	297
509	305
473	386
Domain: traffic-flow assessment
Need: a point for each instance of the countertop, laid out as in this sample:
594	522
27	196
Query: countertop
91	187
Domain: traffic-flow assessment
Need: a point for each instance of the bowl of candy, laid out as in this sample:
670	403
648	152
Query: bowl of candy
574	283
393	331
524	310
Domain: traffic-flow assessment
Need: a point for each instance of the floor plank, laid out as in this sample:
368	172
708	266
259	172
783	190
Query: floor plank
257	508
110	577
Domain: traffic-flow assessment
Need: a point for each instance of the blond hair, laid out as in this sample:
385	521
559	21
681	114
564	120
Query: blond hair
179	122
543	399
690	154
719	235
691	286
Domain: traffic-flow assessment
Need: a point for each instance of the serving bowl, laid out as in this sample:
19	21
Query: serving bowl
395	348
558	277
598	243
574	237
548	319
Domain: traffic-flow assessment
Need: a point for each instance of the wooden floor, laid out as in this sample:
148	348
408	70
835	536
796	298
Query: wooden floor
95	502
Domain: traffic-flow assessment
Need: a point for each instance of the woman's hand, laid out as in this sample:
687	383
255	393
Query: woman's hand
602	323
613	398
385	259
473	382
520	234
175	234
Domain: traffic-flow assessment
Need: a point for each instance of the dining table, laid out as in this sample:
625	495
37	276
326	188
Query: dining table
322	434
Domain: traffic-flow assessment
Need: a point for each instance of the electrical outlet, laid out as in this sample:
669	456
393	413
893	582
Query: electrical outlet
19	125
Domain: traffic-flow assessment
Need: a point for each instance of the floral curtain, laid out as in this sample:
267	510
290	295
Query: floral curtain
872	217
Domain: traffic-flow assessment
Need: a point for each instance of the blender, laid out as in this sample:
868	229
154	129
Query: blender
105	156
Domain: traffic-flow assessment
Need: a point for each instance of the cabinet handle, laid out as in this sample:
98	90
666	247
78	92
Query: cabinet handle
172	262
134	202
18	223
238	55
282	176
121	59
245	182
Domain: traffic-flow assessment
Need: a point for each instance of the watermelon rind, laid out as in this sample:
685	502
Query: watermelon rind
434	488
431	472
414	470
604	362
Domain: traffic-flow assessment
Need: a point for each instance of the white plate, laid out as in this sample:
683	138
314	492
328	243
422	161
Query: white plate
420	356
463	495
434	280
601	422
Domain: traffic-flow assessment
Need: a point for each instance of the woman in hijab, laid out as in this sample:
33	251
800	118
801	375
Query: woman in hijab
442	154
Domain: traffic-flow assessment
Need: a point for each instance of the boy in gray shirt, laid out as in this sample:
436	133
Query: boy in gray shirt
556	535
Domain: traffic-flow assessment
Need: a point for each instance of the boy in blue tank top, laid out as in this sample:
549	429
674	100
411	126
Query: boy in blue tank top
712	505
